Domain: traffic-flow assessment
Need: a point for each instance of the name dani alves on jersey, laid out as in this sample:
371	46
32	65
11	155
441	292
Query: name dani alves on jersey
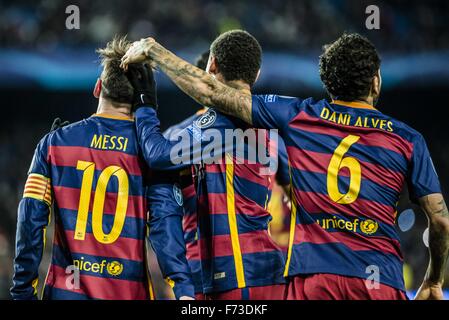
359	121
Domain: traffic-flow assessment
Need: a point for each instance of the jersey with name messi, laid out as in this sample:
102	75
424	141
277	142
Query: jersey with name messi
100	210
348	164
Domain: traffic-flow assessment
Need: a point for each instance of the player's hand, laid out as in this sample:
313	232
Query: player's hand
429	291
142	79
186	298
58	123
137	53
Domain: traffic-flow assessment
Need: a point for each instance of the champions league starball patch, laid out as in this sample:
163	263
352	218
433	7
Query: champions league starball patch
178	195
207	119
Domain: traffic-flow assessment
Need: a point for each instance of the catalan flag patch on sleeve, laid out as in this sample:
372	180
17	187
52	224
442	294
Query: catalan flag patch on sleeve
38	187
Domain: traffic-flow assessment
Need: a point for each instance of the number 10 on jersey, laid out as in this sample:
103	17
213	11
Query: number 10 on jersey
88	169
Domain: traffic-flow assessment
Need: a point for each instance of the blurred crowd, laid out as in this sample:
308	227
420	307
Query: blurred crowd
282	25
15	147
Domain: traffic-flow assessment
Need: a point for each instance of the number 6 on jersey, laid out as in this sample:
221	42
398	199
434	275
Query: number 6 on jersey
355	173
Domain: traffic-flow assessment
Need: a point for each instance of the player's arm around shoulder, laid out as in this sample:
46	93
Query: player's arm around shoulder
198	84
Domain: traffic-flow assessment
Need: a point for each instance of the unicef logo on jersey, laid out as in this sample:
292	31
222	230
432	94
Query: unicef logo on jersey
207	119
369	226
114	268
178	195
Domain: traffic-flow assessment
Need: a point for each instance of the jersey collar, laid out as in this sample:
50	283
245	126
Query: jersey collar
110	116
358	105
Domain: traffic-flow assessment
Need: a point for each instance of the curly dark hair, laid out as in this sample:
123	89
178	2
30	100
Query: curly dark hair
201	61
347	67
238	55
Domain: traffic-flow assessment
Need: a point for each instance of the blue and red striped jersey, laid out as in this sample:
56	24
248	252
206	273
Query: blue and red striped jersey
103	194
348	163
189	222
235	248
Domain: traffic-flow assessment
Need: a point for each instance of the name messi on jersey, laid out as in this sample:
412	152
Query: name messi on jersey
107	142
360	121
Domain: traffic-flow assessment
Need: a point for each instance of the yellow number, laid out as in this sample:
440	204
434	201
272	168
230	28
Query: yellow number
98	206
336	164
83	207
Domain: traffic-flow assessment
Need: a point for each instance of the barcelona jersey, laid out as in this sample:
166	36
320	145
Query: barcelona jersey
348	164
189	223
102	193
234	247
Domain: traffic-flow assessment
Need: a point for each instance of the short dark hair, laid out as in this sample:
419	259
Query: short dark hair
115	84
238	55
348	66
201	61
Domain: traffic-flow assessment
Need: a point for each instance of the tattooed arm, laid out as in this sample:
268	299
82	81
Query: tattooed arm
195	82
438	216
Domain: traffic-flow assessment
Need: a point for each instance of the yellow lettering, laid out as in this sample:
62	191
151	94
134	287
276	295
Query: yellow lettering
375	122
325	226
126	144
383	123
354	224
103	263
358	123
86	266
95	267
333	117
365	123
96	141
342	118
105	141
341	224
324	113
390	126
349	225
120	143
113	138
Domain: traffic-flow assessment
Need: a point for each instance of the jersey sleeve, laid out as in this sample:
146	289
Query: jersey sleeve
155	147
33	218
166	234
422	176
272	111
185	147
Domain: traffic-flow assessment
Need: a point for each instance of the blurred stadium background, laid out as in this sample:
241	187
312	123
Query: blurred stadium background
48	71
